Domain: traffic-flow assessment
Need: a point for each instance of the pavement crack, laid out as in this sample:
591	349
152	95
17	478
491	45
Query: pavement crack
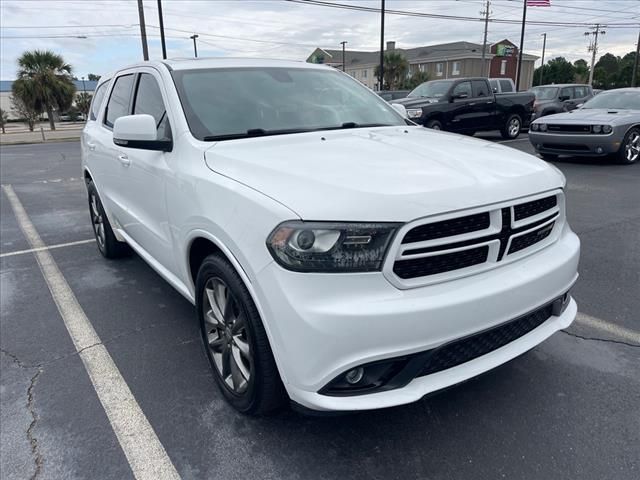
33	441
17	361
605	340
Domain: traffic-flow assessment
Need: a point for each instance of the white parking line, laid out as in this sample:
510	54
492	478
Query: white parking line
49	247
140	444
611	328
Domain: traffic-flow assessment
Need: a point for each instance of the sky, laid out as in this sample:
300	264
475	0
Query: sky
104	35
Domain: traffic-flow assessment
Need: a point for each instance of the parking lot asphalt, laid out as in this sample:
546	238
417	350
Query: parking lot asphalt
570	408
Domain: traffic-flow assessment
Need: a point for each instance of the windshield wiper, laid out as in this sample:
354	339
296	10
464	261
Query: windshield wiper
254	132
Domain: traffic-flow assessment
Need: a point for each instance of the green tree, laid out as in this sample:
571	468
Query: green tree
4	118
395	70
92	77
625	70
581	68
414	80
606	71
44	83
557	70
25	112
83	102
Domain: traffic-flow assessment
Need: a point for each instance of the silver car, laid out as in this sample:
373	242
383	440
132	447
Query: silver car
608	124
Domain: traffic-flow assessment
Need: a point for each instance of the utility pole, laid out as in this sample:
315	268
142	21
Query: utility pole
524	21
143	31
593	48
544	46
164	46
484	42
195	48
343	43
634	75
381	76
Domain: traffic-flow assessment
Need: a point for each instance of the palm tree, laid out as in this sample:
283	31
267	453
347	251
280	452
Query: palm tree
4	117
44	82
83	102
395	69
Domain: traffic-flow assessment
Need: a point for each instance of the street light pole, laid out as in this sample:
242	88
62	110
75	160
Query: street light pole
195	47
164	46
381	76
593	48
84	88
143	31
484	42
343	43
544	46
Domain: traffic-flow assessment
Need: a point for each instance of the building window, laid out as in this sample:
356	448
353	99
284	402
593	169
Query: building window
364	74
503	67
439	69
456	68
421	67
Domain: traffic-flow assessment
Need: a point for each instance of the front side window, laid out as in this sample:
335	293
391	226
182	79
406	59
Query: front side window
567	93
118	105
581	92
227	103
148	99
463	88
98	96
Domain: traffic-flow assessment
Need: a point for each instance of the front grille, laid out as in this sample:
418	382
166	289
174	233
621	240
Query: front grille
568	128
529	209
420	267
461	351
531	238
448	228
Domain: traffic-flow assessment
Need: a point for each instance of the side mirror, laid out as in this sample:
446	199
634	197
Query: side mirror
400	109
139	131
495	90
459	96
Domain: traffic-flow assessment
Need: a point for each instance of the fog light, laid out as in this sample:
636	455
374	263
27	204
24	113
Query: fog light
599	150
354	376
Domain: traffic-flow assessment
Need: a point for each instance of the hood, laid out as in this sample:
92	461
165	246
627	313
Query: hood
413	102
593	115
380	174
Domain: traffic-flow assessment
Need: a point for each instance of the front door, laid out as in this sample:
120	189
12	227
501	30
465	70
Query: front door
461	113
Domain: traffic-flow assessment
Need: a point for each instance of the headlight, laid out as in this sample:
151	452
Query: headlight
596	128
330	247
534	127
414	112
543	127
607	129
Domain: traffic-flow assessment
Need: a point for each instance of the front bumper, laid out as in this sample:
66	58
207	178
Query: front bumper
321	325
575	145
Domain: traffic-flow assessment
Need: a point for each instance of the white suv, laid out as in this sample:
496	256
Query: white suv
338	256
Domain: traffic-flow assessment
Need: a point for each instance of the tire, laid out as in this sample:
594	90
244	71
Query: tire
434	124
108	244
512	127
237	347
549	157
629	152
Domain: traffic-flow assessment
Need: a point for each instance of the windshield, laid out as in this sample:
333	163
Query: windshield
228	103
545	93
629	100
433	89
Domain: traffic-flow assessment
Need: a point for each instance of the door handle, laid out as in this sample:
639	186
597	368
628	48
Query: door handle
489	102
91	146
124	160
472	104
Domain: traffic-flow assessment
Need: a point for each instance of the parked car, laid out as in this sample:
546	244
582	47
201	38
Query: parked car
608	124
468	105
389	95
502	85
552	99
338	257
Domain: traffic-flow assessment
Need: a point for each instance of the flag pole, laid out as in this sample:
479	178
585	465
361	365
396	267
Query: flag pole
524	20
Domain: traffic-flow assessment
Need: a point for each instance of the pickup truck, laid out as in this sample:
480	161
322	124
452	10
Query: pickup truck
468	105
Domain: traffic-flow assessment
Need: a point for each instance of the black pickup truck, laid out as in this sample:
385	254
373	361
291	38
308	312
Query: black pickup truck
468	105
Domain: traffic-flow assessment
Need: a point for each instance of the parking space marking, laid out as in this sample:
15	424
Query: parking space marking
48	247
146	456
611	328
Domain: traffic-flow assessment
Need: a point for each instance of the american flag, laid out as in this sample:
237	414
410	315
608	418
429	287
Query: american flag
538	3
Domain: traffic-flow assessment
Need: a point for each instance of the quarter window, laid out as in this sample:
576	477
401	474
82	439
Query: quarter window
98	96
148	99
118	105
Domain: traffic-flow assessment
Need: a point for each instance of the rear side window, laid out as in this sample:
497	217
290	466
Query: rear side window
98	96
567	92
494	85
118	105
505	86
480	88
148	100
463	88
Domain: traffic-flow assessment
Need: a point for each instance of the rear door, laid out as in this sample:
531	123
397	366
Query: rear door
483	106
567	94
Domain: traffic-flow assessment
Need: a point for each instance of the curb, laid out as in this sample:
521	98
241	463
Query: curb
40	142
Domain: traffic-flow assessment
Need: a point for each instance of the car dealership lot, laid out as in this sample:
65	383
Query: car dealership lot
568	409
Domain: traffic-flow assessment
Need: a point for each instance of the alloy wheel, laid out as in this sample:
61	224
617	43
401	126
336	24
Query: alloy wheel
514	127
227	337
98	222
632	148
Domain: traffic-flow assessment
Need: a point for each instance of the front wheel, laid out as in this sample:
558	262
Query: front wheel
235	340
630	149
434	125
512	127
549	157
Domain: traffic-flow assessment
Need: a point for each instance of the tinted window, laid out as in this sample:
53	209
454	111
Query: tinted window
567	92
462	88
494	85
480	89
98	96
148	100
581	92
505	86
118	105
